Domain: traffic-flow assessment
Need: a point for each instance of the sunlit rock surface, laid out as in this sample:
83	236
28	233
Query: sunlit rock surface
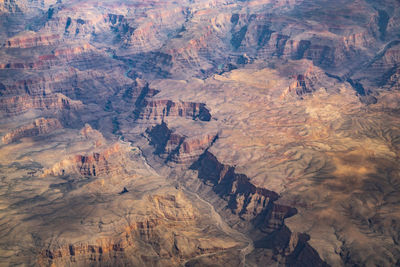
200	133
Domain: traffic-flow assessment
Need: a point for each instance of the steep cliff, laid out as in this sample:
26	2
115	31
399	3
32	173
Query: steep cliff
199	133
257	206
15	105
158	109
40	126
177	148
104	162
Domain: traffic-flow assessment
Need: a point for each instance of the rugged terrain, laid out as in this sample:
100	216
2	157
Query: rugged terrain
200	133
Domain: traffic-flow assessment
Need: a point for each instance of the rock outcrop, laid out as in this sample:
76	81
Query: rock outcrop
244	199
15	105
309	81
177	148
31	39
287	112
159	109
91	134
257	206
40	126
104	162
300	86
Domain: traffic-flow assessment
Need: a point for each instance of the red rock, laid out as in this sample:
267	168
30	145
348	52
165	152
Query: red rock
15	105
35	40
158	109
38	127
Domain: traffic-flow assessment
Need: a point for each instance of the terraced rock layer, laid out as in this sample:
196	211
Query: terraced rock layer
199	133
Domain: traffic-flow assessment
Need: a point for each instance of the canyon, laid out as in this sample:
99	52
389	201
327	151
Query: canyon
199	133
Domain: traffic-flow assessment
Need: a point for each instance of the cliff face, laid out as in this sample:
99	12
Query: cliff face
95	164
32	40
23	6
382	70
281	116
257	206
158	109
15	105
243	198
177	148
38	127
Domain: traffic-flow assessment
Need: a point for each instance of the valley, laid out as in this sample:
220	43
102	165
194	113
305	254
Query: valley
199	133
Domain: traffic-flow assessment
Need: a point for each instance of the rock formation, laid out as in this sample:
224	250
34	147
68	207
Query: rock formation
159	109
199	133
38	127
15	105
171	212
95	164
177	148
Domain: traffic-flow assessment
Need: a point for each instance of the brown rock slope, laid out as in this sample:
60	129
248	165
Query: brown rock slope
199	133
135	217
38	127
